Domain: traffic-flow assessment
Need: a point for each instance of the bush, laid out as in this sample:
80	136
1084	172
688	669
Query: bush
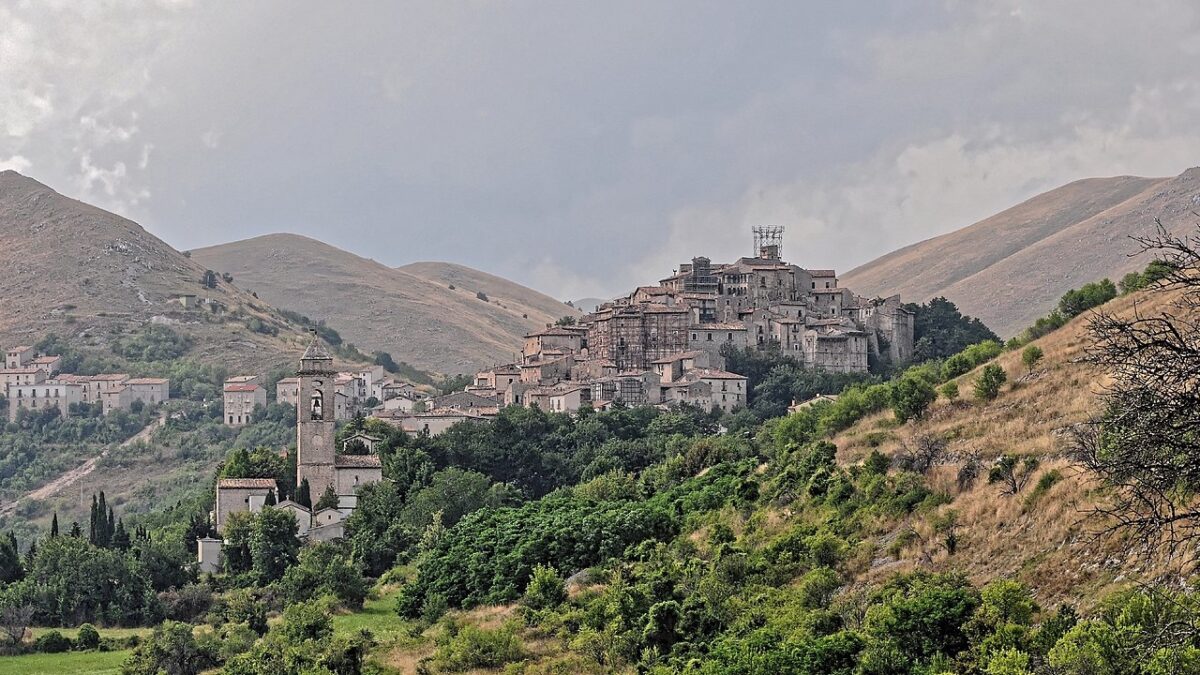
1031	356
89	637
482	296
911	396
471	647
53	642
987	385
949	391
546	589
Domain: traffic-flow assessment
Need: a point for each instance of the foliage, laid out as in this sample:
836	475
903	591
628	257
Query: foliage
940	330
991	378
325	569
1077	301
154	343
172	648
1031	355
469	647
911	396
949	391
545	589
966	360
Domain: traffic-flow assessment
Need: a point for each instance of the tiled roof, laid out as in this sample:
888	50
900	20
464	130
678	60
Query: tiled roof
148	380
357	462
238	387
822	273
714	374
245	483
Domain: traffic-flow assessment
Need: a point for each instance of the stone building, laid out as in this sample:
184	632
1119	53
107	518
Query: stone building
241	494
19	357
242	395
287	391
40	396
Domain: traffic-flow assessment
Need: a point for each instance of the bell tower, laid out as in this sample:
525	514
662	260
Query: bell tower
315	419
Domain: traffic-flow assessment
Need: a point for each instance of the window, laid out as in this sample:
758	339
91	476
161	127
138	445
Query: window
710	337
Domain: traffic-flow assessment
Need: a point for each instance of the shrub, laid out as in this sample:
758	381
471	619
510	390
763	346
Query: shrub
949	391
546	589
1031	356
482	296
987	385
52	643
89	637
472	647
911	396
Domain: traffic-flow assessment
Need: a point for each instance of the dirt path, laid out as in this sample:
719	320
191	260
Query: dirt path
74	475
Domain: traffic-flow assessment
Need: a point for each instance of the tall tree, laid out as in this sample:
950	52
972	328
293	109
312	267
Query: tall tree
941	330
54	525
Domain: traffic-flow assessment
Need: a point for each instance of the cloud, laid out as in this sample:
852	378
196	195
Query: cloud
15	163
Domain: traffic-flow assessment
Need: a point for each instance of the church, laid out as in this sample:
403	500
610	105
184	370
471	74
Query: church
317	461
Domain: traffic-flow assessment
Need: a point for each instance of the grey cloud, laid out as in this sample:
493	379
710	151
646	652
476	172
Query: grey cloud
586	147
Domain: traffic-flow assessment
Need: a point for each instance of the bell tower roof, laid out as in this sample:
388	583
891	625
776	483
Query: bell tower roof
316	358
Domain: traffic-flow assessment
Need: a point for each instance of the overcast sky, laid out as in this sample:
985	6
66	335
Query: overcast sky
582	148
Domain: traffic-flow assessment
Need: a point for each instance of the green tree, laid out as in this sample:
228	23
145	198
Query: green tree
940	330
325	569
987	385
328	500
1077	301
1031	356
273	543
911	396
304	495
171	649
949	391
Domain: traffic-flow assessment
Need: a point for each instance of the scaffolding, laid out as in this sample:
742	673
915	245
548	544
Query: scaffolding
768	241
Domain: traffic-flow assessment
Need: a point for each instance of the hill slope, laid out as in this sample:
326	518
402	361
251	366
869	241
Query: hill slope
410	312
1011	268
87	275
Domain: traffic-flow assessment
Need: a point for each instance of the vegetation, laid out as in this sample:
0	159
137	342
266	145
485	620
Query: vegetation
940	330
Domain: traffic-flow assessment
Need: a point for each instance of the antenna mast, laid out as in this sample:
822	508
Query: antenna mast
768	241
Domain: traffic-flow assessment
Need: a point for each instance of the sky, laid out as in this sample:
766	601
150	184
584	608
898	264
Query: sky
585	148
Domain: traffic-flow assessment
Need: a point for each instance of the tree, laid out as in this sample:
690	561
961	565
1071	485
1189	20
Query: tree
273	544
54	525
328	500
325	569
89	637
1012	472
567	320
1031	356
11	568
171	649
949	391
1143	446
987	385
303	496
15	618
208	279
1077	301
911	396
940	330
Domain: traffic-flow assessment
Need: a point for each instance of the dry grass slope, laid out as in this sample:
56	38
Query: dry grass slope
410	312
1048	542
87	274
1011	268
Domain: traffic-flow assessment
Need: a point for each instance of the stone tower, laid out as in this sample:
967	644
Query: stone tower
315	419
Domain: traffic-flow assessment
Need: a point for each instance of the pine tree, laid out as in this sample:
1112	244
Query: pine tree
303	497
76	531
54	525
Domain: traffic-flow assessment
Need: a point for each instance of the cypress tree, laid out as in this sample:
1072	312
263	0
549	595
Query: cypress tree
54	525
120	538
31	553
303	497
270	500
109	527
93	536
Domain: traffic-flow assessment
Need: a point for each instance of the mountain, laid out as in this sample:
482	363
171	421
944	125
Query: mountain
89	275
588	304
428	314
1011	268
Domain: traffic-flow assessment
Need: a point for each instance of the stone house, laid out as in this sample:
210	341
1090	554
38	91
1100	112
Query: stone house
50	364
235	495
46	394
727	390
241	398
287	391
19	357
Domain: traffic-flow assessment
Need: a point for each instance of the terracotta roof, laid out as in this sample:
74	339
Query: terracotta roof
21	371
245	483
47	359
148	380
110	377
241	387
289	380
357	462
822	273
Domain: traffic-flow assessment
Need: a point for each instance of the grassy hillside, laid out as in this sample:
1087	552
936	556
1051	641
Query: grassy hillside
1010	268
411	312
91	276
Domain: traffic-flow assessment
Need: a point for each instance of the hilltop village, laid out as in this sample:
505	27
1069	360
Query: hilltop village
663	344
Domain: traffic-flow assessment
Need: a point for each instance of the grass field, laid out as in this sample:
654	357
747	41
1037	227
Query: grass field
104	632
61	664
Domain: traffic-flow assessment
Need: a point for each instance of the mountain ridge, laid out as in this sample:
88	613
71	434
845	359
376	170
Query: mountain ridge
415	312
1010	268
